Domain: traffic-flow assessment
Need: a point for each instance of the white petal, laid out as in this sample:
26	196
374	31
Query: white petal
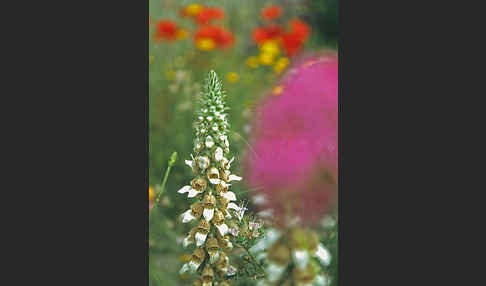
320	280
186	242
190	163
184	189
234	178
200	238
187	216
213	258
192	193
229	163
323	254
210	283
184	268
301	258
230	196
215	181
223	229
228	215
233	206
193	266
209	141
208	214
274	272
218	154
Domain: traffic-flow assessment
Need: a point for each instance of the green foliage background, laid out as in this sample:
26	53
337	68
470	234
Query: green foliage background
171	112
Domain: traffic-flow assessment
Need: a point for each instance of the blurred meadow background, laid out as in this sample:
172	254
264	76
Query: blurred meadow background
239	48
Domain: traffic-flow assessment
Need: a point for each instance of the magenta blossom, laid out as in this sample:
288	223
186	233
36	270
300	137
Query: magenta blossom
295	140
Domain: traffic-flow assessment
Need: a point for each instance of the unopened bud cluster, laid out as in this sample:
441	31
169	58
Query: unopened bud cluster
214	209
294	257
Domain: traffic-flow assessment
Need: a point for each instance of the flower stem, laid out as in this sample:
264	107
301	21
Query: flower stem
171	163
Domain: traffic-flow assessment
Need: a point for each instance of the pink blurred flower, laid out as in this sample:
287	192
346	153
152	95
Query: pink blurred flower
295	140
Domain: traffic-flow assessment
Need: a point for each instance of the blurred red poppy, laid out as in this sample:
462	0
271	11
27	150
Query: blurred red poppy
209	14
166	30
221	37
292	41
261	34
271	12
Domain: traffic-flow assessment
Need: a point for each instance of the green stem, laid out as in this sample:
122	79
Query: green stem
171	163
254	259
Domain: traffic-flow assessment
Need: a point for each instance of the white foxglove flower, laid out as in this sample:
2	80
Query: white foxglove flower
212	247
190	163
301	258
223	229
209	141
218	154
233	177
188	189
229	195
213	176
200	238
323	254
209	205
187	241
184	268
193	213
274	272
203	162
202	232
187	216
209	118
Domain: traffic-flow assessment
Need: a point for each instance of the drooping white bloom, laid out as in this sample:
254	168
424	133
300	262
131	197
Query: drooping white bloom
187	216
223	229
301	258
190	163
274	272
208	214
233	177
323	254
218	154
203	162
188	189
213	257
209	141
229	195
200	238
213	176
187	241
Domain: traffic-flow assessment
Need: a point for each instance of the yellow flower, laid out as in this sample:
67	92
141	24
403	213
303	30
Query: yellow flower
151	193
252	62
232	77
281	64
270	47
151	59
193	9
266	58
170	75
205	44
278	89
181	34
